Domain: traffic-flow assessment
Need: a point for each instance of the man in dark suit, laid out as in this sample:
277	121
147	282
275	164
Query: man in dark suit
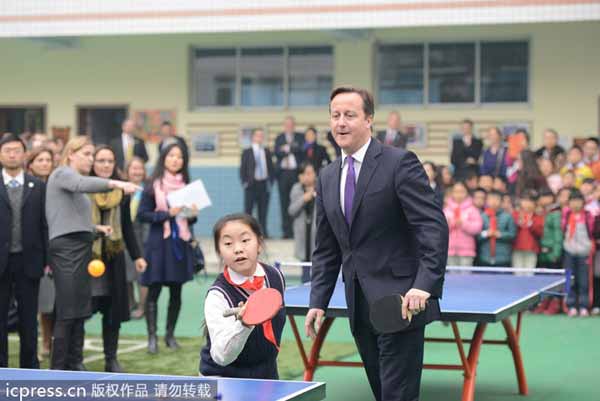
466	151
377	217
23	245
551	148
393	134
168	137
257	174
289	147
127	145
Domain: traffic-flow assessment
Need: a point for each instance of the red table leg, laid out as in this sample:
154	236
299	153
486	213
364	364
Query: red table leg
513	344
473	359
311	363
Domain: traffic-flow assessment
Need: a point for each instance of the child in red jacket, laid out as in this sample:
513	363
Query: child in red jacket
530	227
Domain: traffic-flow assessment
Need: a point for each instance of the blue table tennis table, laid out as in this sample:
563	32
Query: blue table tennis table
227	389
480	297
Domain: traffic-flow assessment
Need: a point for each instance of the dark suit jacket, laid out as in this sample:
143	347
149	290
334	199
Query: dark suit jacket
398	238
248	165
139	150
320	157
400	140
460	154
33	224
297	148
553	153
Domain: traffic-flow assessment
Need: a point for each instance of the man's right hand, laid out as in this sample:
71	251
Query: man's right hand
312	324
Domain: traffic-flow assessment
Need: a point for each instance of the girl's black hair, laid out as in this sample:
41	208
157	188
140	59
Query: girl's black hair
116	175
242	218
159	170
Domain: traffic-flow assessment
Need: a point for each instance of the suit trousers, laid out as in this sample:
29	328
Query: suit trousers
393	362
26	292
286	180
258	193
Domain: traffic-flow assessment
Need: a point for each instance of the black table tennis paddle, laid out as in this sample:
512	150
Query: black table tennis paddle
386	314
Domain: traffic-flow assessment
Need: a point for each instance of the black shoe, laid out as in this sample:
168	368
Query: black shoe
172	316
78	367
75	356
171	342
112	365
151	314
110	339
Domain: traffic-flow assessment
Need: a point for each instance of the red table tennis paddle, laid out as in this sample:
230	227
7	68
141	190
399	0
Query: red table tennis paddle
386	314
261	306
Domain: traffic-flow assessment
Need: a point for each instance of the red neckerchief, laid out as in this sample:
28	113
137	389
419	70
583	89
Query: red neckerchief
255	285
493	227
457	213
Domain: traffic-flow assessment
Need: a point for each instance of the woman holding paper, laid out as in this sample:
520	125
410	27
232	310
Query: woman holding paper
167	248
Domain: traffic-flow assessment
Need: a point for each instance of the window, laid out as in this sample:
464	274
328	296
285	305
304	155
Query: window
504	71
262	77
310	76
400	74
261	73
214	71
451	73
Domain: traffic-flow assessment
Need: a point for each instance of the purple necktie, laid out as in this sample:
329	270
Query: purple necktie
349	189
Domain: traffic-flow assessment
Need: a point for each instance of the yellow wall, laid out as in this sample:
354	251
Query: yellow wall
152	72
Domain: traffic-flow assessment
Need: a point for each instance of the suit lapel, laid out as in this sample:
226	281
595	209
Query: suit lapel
3	193
366	173
27	189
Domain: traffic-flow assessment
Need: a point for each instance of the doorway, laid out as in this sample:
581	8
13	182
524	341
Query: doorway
102	123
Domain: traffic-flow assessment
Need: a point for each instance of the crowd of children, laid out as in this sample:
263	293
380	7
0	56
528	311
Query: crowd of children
543	213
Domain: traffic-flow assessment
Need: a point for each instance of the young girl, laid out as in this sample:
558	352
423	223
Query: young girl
464	222
578	227
530	228
232	348
495	240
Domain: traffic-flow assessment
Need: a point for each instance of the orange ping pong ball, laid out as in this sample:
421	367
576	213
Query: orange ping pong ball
96	268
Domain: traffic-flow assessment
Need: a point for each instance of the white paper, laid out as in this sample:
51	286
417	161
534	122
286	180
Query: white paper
192	194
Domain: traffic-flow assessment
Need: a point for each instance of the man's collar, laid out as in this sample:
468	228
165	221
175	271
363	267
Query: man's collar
7	177
359	155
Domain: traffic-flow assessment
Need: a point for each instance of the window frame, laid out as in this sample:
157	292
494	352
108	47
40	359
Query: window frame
477	103
237	106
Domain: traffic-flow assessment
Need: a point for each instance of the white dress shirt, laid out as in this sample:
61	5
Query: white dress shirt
257	149
127	139
289	162
8	178
228	335
358	157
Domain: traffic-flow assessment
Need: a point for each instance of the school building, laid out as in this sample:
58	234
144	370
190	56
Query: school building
219	69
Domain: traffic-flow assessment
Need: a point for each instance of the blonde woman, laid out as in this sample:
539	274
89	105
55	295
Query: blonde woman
71	234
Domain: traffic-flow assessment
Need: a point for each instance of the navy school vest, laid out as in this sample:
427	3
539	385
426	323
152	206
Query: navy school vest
258	359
